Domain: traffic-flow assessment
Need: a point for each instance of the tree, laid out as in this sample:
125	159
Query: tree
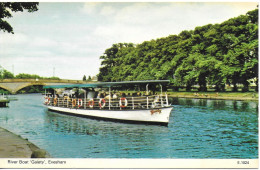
214	55
84	78
27	76
241	58
5	74
112	61
7	7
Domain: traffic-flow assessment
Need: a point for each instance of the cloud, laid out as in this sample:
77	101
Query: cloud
90	7
108	11
11	39
43	42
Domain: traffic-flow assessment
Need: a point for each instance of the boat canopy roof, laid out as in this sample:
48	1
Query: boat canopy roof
106	84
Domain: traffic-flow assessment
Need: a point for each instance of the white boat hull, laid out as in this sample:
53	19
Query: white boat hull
149	116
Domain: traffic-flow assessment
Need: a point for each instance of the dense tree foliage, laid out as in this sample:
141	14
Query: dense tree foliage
7	7
5	74
215	55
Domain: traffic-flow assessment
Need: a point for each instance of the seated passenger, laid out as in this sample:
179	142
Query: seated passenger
114	96
107	97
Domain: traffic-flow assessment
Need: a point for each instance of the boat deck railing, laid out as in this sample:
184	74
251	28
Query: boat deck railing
142	102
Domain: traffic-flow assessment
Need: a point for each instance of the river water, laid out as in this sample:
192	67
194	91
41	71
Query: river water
198	128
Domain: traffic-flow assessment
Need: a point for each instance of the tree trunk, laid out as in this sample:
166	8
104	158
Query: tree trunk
202	83
235	87
246	86
188	87
234	82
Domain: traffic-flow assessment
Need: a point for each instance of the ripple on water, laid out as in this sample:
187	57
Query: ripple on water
198	128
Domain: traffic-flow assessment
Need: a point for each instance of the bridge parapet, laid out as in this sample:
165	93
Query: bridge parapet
43	80
14	85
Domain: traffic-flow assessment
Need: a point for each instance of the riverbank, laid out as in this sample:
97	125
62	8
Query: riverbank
14	146
253	96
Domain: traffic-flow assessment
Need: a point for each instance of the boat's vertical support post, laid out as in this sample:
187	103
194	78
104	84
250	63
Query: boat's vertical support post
133	103
161	96
166	98
147	92
85	99
147	101
161	88
109	100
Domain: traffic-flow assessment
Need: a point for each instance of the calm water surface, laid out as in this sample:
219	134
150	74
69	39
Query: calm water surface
197	129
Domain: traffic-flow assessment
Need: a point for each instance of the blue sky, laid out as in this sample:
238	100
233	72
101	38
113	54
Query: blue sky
71	36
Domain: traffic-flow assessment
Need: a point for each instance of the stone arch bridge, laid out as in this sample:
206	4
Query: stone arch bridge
14	85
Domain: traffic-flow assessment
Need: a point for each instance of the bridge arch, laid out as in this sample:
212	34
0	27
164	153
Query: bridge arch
6	88
15	87
29	85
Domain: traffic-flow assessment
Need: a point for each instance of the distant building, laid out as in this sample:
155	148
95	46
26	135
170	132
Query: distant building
94	78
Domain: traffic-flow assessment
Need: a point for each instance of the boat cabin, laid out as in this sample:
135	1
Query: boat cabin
126	95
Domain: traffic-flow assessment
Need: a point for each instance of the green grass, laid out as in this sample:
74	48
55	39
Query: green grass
217	95
210	94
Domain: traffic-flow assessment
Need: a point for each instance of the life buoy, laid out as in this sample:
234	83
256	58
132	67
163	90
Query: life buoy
91	103
74	102
102	101
79	102
120	102
55	101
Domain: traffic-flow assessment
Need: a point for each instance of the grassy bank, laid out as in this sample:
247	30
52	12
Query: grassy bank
208	95
219	95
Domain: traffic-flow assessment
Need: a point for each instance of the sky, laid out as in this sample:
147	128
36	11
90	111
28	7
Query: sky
66	39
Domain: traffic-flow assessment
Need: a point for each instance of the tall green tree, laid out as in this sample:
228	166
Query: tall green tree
84	78
112	60
241	59
5	74
216	55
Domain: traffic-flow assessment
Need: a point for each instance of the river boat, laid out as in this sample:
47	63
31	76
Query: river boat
104	100
4	101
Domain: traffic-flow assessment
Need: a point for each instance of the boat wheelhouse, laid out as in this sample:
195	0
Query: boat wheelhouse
106	101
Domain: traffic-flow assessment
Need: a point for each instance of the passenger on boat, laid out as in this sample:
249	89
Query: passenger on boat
107	97
100	95
114	96
91	95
